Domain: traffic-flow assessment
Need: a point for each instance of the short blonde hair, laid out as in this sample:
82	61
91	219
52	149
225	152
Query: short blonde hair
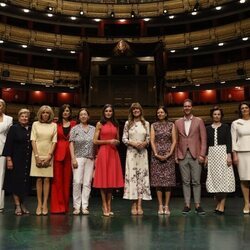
41	110
23	111
4	104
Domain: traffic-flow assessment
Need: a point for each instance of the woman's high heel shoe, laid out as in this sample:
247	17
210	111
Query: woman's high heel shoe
166	210
39	211
160	210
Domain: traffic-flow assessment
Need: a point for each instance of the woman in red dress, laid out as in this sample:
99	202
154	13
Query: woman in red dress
108	172
61	183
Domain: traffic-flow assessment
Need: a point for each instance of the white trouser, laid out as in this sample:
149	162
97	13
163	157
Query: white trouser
2	173
82	176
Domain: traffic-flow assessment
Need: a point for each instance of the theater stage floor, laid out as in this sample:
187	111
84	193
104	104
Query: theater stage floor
150	231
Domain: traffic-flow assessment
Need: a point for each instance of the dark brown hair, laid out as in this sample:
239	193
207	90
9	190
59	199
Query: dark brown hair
61	110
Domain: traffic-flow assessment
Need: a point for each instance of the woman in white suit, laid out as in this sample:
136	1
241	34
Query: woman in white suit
5	123
241	150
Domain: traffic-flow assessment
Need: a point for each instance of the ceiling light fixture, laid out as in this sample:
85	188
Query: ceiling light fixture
244	38
49	49
242	1
97	20
195	48
112	14
49	14
24	46
172	50
218	7
3	4
196	6
72	52
165	12
81	12
73	18
1	41
50	8
146	19
171	17
26	10
132	14
220	44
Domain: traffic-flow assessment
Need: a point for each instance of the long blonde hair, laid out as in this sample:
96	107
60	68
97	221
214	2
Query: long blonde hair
131	116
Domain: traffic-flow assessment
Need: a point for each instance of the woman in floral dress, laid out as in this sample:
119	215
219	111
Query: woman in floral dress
163	141
136	138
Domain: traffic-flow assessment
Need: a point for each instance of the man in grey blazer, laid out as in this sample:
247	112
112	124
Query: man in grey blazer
190	154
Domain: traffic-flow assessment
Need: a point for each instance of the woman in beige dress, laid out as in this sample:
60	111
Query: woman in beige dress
43	138
136	137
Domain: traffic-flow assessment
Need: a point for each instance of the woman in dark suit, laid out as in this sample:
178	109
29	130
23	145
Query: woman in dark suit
60	188
18	150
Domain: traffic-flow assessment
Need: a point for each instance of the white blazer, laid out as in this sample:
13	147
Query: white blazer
4	128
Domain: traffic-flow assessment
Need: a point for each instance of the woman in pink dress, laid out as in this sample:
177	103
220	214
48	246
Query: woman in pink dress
108	171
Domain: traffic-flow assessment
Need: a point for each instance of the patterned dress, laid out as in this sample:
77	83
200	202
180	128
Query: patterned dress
137	171
163	173
220	176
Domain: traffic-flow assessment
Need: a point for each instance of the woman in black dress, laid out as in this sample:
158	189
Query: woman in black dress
17	150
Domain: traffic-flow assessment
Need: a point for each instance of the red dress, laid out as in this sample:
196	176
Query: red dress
108	170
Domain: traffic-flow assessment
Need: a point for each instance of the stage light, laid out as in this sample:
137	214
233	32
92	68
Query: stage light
172	50
73	18
49	49
1	41
132	14
26	10
24	46
244	38
81	12
196	6
49	14
2	4
220	44
112	14
218	7
146	19
50	8
171	17
165	12
195	48
97	20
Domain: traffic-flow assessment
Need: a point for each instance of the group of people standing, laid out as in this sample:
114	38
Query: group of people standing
53	153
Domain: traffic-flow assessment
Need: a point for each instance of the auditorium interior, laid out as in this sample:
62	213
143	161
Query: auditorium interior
91	52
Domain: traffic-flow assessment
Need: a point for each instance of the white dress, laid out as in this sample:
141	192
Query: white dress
240	131
137	167
4	128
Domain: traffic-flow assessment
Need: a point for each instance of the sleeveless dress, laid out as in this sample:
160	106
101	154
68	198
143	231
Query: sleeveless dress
108	170
163	173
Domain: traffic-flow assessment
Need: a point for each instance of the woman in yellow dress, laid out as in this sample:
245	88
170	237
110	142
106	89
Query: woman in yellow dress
43	139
